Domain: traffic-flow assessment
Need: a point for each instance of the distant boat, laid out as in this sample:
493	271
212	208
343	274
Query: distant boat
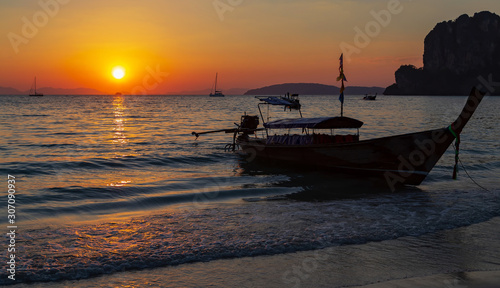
33	90
216	93
370	97
289	101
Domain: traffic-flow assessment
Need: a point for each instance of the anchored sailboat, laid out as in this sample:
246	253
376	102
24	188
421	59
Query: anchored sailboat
33	90
216	93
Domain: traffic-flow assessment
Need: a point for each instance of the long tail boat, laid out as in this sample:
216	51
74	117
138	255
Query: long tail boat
401	159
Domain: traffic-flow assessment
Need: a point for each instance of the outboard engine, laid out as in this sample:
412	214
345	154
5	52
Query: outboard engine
249	122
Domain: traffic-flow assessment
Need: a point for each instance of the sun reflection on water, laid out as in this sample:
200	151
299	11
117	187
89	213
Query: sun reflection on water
119	136
119	183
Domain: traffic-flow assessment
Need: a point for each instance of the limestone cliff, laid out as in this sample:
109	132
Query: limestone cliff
457	55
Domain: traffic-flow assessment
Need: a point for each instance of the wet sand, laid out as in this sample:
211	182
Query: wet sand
482	279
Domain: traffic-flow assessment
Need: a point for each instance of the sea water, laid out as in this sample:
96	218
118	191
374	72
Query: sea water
106	184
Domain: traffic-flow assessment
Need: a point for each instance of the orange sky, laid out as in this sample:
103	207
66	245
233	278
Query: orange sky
172	46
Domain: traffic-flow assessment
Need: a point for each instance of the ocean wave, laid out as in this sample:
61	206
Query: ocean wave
97	164
35	115
56	201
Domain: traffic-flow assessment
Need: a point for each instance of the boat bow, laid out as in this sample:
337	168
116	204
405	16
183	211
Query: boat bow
473	101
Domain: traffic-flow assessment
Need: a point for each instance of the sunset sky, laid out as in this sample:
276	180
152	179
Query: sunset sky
167	46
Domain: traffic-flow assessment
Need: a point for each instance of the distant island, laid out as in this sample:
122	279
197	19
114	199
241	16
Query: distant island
52	91
458	55
312	89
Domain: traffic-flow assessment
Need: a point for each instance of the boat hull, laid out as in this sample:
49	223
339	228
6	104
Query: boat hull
402	159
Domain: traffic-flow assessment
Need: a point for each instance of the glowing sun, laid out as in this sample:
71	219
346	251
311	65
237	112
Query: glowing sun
118	72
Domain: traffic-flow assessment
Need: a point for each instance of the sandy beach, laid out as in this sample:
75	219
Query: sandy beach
456	258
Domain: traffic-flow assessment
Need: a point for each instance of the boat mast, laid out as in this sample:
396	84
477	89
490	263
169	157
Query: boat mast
342	101
341	78
35	84
215	92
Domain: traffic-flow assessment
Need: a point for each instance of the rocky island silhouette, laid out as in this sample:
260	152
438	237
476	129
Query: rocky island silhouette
457	55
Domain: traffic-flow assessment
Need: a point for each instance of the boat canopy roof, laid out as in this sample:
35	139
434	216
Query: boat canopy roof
315	123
